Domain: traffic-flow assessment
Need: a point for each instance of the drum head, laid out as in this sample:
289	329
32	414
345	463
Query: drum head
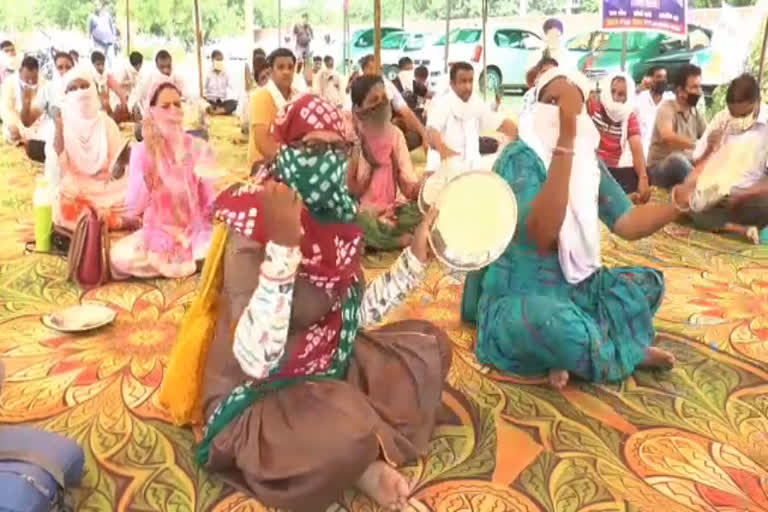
476	221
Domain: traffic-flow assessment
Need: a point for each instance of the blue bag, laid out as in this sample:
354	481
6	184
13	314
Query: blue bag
35	468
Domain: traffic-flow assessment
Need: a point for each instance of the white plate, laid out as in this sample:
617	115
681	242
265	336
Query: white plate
82	318
476	222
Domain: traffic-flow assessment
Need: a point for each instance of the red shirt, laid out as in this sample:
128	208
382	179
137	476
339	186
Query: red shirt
610	149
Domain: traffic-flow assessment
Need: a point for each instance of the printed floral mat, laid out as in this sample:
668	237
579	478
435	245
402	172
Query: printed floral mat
691	440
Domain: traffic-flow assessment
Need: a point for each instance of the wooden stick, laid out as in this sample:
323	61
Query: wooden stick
128	26
377	33
762	56
485	52
199	44
447	32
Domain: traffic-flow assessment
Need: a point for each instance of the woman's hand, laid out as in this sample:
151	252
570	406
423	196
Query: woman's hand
420	244
282	214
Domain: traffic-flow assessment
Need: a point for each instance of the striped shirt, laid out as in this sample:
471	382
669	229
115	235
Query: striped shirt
610	149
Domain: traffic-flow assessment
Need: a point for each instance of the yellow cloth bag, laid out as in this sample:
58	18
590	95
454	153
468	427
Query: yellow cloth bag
182	385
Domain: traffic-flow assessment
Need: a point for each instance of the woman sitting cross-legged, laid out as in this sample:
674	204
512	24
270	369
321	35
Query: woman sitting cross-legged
303	397
78	161
548	305
381	168
166	193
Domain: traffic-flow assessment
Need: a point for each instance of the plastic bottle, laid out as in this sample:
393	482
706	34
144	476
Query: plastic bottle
43	206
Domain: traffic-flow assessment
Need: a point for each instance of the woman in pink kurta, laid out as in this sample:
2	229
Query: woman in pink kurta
165	191
382	177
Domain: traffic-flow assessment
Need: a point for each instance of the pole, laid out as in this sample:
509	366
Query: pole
248	6
624	38
344	55
485	53
402	16
377	33
128	26
279	24
762	56
447	32
199	44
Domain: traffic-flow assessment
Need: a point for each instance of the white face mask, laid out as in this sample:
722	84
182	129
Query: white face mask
618	112
406	79
545	132
9	61
738	125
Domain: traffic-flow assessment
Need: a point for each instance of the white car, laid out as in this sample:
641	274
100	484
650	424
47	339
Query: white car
511	52
398	45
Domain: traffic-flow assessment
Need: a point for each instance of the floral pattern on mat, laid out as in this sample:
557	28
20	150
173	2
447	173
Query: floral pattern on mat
693	439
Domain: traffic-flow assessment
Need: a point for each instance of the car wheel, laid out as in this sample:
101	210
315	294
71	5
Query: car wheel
494	80
390	72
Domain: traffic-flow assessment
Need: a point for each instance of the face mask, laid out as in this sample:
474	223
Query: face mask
406	79
378	116
81	103
26	86
9	61
218	65
320	180
616	111
544	131
742	124
693	99
659	87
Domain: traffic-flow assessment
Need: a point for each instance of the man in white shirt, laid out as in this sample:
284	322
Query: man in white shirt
408	122
327	83
163	65
22	108
217	87
456	120
9	61
745	209
129	73
648	101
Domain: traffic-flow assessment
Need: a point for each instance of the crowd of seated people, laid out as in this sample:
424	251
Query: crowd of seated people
282	249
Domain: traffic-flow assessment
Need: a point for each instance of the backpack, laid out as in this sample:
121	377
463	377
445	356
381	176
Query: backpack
35	468
88	258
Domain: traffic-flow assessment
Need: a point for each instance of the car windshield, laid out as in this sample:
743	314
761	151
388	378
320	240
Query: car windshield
462	35
393	41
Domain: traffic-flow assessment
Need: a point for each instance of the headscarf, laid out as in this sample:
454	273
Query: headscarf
619	112
172	177
84	123
330	261
579	238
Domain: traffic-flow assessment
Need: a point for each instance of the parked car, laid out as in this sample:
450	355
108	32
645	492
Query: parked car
397	45
644	50
511	51
361	42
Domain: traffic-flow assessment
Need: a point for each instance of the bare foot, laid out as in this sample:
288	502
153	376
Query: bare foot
385	485
753	235
658	358
558	379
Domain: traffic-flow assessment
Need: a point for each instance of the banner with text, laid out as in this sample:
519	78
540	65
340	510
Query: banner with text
651	15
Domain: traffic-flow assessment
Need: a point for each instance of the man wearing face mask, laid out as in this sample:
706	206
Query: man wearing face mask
744	210
217	87
24	101
414	93
9	62
648	101
456	120
620	146
677	128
